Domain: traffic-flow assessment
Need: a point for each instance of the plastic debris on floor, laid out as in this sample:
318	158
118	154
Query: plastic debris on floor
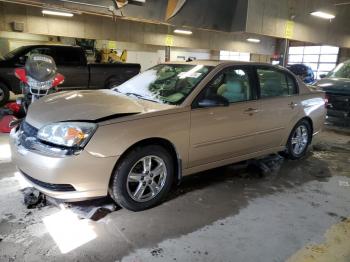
92	209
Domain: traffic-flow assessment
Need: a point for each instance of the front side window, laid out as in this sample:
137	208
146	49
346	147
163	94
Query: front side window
274	83
233	84
165	83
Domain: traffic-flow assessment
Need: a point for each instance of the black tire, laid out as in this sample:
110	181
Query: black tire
118	188
290	150
4	94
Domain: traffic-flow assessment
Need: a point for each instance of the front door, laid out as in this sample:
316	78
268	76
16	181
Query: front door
223	132
279	105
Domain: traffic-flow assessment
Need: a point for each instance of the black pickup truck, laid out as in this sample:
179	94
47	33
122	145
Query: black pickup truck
337	87
71	62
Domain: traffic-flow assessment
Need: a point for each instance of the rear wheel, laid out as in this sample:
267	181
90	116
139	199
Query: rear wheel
4	94
143	178
299	140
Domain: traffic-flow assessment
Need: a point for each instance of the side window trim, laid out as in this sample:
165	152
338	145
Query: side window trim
252	84
266	67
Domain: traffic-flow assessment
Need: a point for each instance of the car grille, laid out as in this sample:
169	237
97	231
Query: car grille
52	187
27	135
28	130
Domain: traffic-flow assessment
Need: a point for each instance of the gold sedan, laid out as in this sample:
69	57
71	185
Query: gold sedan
135	141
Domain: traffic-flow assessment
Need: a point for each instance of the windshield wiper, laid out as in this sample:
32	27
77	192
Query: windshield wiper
136	95
140	96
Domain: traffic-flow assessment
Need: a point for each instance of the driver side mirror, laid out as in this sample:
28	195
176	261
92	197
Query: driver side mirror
323	76
213	101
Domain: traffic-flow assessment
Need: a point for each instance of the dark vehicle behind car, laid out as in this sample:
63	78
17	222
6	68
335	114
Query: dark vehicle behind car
336	84
71	62
304	72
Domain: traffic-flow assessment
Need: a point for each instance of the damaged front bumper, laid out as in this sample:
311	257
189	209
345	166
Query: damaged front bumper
70	178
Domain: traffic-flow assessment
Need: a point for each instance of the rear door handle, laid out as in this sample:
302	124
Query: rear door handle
251	111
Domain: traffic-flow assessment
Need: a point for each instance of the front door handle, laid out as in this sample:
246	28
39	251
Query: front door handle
292	105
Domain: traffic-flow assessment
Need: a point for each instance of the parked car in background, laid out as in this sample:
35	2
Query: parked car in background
134	141
336	84
71	62
304	72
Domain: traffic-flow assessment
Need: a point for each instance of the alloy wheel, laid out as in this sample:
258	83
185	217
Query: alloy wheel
146	178
300	139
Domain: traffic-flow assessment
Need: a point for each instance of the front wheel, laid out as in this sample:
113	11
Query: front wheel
299	140
4	94
143	178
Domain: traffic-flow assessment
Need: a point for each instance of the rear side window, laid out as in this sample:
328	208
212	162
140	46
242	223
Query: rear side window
274	83
68	57
40	51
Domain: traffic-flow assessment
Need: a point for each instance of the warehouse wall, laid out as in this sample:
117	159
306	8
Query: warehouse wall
268	17
97	27
146	55
344	54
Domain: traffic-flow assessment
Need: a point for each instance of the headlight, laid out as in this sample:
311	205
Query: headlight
69	134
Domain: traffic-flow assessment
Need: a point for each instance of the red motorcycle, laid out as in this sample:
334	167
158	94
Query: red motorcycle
38	78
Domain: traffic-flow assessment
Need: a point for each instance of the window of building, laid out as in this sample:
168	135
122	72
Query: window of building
234	56
321	59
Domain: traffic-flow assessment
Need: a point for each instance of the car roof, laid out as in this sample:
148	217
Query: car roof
219	62
224	63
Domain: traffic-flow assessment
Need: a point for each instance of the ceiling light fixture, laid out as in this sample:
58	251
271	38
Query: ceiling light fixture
58	13
253	40
323	15
182	32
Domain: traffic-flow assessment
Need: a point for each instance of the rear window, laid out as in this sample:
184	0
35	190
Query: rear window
68	56
274	83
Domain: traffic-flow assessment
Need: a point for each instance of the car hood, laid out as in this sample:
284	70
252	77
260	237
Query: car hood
335	85
96	105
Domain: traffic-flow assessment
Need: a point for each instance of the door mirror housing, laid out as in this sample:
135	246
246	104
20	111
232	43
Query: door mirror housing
323	76
213	101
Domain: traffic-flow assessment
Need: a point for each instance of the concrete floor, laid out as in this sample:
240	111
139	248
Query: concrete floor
297	213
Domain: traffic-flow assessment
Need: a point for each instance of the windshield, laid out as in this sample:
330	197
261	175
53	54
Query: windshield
165	83
13	53
341	71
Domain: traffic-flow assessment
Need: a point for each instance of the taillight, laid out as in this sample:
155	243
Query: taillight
59	79
20	73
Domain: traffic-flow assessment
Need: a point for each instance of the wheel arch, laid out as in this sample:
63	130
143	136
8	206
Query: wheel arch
168	145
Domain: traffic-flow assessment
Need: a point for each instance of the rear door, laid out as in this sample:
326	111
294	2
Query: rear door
72	65
279	105
223	132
